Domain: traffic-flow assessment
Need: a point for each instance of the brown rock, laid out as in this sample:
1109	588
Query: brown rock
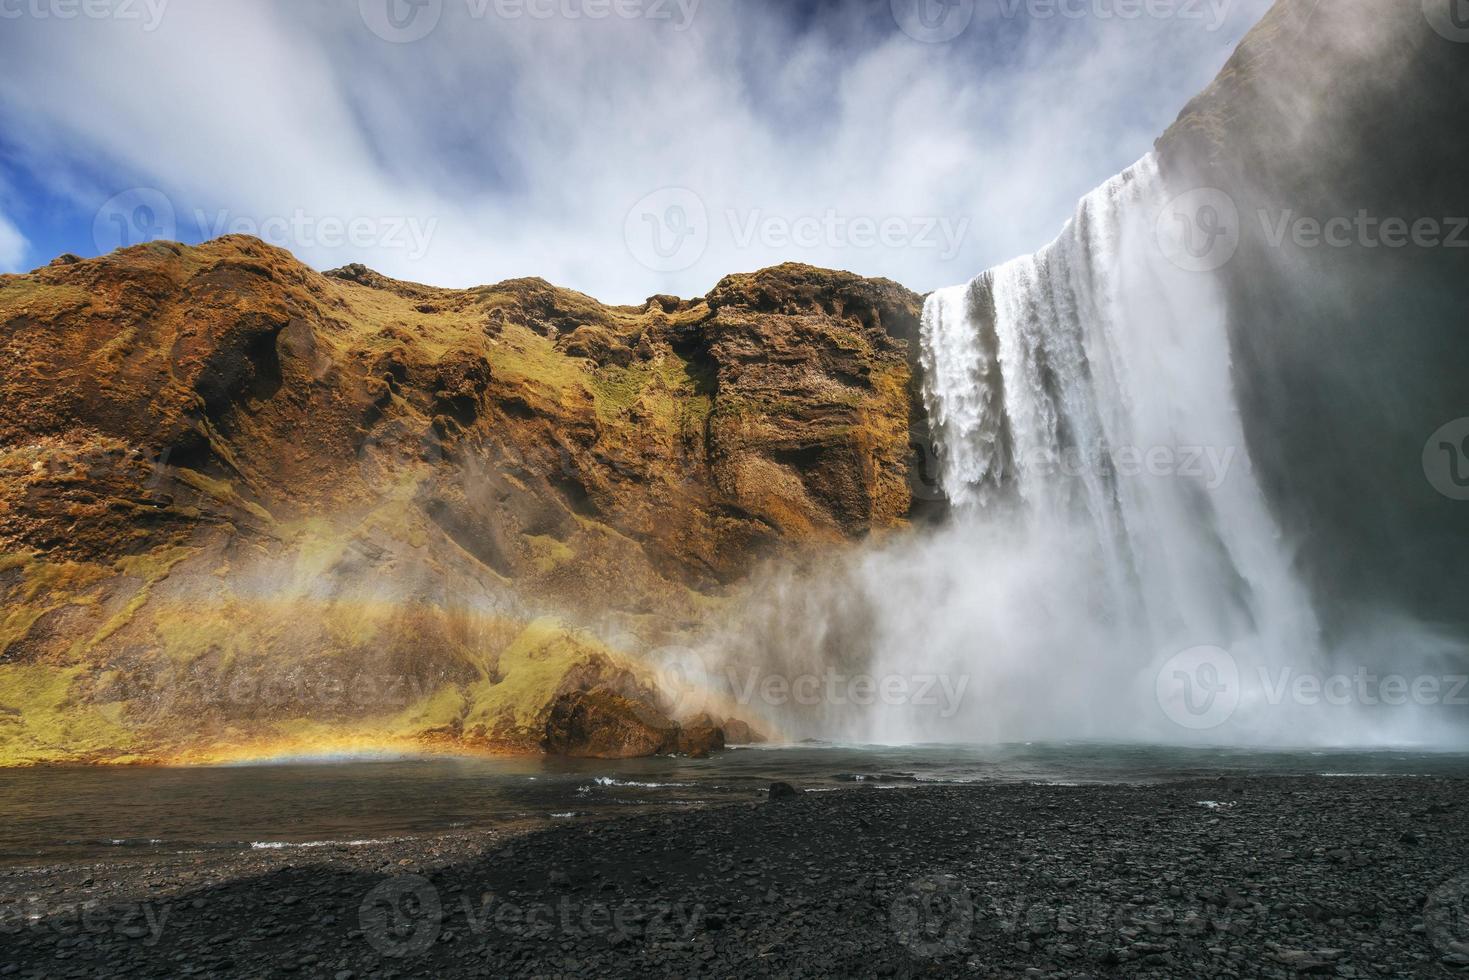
409	465
737	732
698	741
601	725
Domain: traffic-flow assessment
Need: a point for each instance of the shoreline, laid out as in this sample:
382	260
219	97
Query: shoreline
1228	876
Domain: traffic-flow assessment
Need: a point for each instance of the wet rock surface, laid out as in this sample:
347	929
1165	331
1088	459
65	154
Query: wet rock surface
1278	877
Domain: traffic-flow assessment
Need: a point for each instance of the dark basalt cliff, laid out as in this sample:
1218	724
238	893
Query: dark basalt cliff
1350	356
245	506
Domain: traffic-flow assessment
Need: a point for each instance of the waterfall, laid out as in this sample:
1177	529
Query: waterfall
1112	568
1090	384
1106	516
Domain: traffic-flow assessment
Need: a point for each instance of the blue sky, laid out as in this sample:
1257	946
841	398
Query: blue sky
620	147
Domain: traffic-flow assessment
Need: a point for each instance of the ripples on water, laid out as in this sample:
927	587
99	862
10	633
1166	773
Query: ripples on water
69	813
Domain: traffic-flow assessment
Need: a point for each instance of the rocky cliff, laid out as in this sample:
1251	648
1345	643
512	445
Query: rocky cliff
1345	119
246	507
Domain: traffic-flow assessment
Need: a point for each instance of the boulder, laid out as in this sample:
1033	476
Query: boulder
602	725
737	732
699	740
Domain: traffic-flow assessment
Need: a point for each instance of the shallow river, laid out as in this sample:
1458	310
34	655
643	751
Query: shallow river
61	814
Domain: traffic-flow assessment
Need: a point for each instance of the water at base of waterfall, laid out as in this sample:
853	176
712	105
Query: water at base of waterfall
76	813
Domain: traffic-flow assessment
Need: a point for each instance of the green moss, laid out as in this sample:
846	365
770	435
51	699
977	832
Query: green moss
532	670
30	296
527	356
10	562
152	568
222	491
440	710
40	721
44	588
548	553
187	633
667	391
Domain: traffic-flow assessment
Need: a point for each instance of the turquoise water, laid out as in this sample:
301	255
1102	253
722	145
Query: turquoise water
71	813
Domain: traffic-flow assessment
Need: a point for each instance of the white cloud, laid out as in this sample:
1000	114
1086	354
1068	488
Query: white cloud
12	246
524	143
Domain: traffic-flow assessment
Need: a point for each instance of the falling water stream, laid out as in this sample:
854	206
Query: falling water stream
1112	569
1082	396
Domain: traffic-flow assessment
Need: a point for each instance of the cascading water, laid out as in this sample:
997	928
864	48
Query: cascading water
1090	382
1112	568
1081	399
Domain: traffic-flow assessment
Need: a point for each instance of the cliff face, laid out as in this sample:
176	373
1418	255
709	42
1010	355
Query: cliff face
246	506
1349	355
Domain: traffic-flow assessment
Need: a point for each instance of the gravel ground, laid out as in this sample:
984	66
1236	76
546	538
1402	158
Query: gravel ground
1268	877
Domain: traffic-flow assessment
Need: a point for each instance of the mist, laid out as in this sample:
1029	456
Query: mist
1112	568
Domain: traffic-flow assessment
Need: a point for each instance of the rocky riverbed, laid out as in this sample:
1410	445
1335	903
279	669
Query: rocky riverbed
1258	877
